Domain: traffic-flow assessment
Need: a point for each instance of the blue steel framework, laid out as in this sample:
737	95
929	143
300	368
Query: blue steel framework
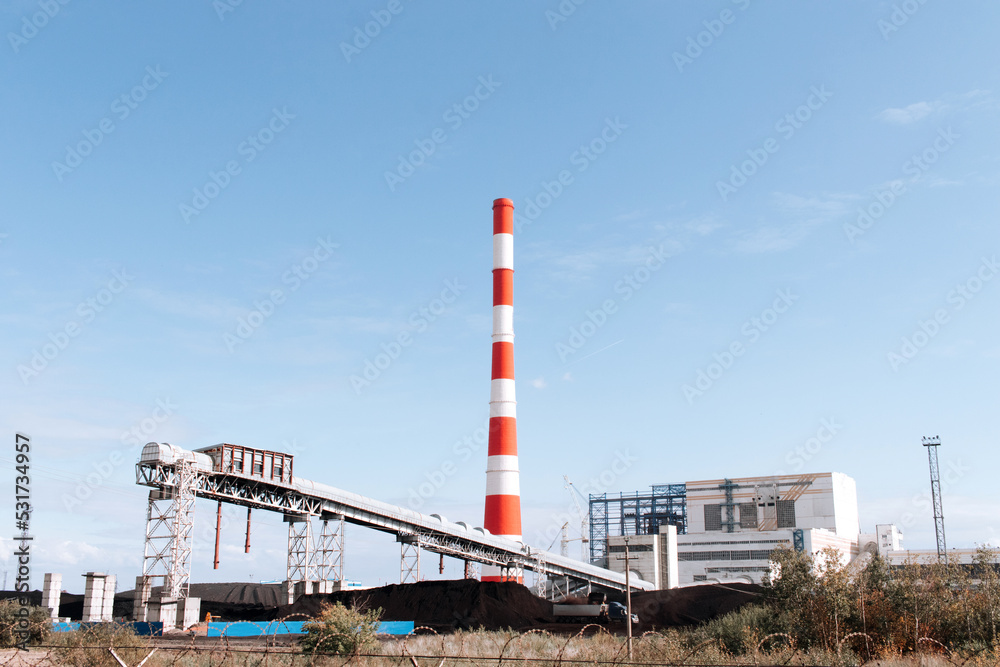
634	514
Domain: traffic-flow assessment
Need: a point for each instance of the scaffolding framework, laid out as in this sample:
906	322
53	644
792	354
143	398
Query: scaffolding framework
328	556
409	559
932	445
169	528
729	524
635	514
300	552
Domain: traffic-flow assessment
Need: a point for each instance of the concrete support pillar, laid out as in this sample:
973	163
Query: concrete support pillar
164	610
140	603
52	593
668	557
188	612
108	612
93	597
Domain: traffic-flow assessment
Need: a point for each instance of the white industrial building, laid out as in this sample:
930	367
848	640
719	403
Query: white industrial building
731	526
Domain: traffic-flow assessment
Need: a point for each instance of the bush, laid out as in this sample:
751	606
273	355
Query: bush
740	630
340	630
88	647
39	623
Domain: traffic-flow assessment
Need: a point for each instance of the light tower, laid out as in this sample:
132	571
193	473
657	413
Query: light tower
932	458
503	490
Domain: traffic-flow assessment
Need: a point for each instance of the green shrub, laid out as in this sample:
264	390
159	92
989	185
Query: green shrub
740	630
88	647
340	630
39	623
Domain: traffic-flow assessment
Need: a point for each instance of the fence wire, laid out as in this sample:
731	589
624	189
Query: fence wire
114	645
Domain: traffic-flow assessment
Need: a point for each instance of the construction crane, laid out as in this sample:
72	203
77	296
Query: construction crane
584	539
563	543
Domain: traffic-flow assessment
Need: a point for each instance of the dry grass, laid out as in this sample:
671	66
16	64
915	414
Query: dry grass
496	649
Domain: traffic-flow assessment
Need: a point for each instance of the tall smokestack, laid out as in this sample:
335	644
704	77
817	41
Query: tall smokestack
503	489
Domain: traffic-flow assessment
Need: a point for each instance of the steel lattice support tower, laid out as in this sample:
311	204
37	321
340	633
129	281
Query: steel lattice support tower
409	559
300	549
932	458
169	527
328	557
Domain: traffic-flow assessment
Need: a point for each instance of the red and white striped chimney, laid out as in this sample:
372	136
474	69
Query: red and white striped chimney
503	489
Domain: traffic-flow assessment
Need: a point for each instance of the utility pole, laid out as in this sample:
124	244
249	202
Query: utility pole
628	600
932	458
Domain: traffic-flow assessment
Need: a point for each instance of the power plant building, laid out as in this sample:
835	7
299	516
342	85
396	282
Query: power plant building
727	528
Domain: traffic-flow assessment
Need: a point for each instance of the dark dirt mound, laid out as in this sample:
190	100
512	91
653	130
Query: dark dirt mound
448	604
692	605
71	606
462	603
261	595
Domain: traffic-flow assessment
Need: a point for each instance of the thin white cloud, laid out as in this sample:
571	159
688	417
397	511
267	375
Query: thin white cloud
950	102
804	215
539	383
185	305
770	238
911	113
71	552
631	215
579	266
704	225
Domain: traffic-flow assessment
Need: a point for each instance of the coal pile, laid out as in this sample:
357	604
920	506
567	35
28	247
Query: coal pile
692	605
462	603
443	605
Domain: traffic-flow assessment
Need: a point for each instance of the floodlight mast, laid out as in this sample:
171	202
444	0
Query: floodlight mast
932	443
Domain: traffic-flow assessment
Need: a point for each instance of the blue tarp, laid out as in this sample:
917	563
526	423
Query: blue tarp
141	628
251	629
238	628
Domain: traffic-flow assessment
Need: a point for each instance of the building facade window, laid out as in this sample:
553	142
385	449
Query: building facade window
748	516
713	517
786	513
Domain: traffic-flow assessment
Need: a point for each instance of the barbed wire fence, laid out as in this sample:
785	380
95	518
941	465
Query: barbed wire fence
116	645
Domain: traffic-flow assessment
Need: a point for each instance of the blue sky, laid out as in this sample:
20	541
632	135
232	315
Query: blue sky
741	225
